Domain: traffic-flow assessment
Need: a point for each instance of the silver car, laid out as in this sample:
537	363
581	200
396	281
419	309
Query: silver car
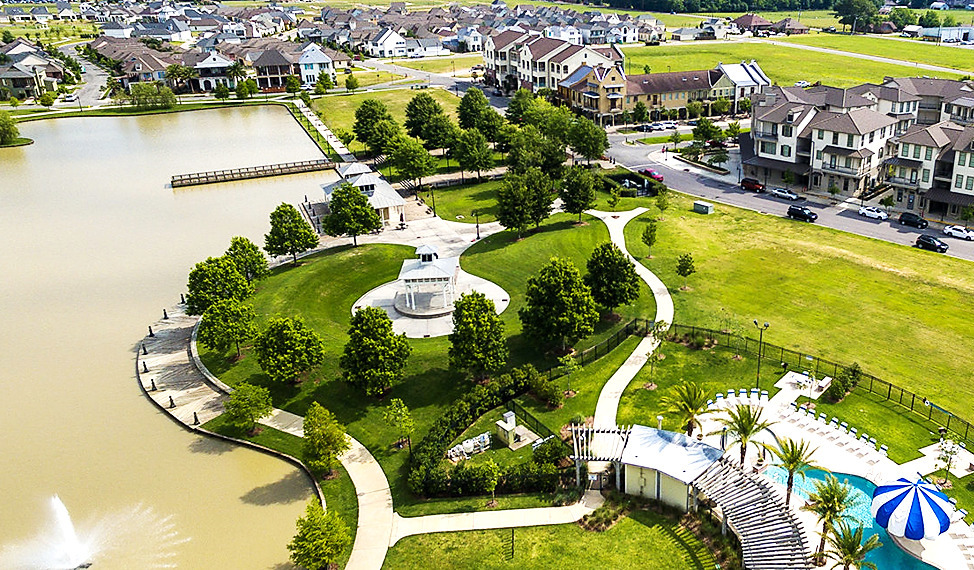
784	193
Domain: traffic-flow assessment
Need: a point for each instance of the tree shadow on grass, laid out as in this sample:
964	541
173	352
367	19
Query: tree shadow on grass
291	488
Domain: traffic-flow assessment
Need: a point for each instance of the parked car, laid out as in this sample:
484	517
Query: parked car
873	212
911	219
692	122
652	174
784	193
752	184
931	243
70	97
959	232
658	127
645	128
716	144
801	213
803	84
668	124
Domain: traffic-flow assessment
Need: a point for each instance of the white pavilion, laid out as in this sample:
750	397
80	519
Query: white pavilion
429	284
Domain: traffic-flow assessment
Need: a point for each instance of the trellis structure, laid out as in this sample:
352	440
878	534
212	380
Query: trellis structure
599	444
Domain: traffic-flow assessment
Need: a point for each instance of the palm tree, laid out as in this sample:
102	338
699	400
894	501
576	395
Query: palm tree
688	402
830	499
235	72
743	424
848	549
795	457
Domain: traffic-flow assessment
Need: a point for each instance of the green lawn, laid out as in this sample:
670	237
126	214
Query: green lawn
783	65
944	55
338	111
658	542
442	165
456	201
443	64
896	310
369	78
714	370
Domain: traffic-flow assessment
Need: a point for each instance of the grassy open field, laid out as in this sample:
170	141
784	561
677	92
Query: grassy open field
782	64
338	111
900	313
661	544
442	64
457	201
945	55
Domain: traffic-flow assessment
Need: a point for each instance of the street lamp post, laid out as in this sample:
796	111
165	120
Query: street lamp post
761	329
476	214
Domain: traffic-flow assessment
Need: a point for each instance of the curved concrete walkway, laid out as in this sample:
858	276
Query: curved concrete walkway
608	404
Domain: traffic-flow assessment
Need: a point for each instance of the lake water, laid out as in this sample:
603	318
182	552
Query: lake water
94	246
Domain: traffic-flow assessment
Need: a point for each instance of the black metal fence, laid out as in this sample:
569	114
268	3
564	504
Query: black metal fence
524	417
799	361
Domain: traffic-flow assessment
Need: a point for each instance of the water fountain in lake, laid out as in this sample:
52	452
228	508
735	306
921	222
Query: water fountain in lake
134	538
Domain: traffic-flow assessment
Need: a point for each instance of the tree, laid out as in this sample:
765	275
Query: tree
350	214
398	416
7	36
246	405
292	84
367	116
569	365
8	129
472	152
491	473
577	191
675	139
540	194
720	106
346	137
640	113
611	277
718	156
440	132
649	236
662	203
227	323
626	117
614	195
949	21
287	348
743	424
795	457
588	139
290	234
236	71
688	403
860	13
829	500
902	17
848	549
247	257
46	99
559	306
554	123
374	358
833	190
419	112
744	105
694	109
519	103
473	110
706	130
888	202
242	90
685	268
151	96
351	83
222	92
324	440
528	148
214	280
386	136
966	214
930	19
477	343
321	539
733	130
513	211
324	83
412	160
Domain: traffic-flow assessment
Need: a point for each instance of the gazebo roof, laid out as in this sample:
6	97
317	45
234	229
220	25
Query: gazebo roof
443	268
426	249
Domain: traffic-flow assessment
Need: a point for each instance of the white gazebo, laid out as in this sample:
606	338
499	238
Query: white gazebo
429	284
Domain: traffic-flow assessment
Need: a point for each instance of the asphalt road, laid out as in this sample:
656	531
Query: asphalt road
842	216
458	85
94	80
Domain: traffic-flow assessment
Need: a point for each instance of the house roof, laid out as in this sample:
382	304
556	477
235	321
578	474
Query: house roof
939	135
857	121
670	82
674	454
745	74
749	21
350	169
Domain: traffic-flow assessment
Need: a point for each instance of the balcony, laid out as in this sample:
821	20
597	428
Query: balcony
900	181
844	171
765	135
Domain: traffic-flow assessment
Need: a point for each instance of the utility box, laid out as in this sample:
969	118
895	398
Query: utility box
702	207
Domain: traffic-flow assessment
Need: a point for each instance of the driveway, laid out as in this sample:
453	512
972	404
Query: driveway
94	79
842	216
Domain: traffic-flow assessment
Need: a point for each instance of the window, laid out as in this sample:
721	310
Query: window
904	150
785	150
850	140
821	135
786	131
768	147
959	181
971	161
925	175
929	153
916	151
872	136
848	162
835	138
970	183
961	158
818	155
882	133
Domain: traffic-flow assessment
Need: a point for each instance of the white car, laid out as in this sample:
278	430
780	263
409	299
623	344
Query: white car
784	193
669	124
803	84
873	212
959	232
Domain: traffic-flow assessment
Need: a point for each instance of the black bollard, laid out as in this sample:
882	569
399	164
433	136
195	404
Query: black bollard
196	420
171	403
165	315
182	298
144	368
150	331
154	385
144	350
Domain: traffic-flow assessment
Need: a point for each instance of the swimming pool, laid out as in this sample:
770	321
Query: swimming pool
888	556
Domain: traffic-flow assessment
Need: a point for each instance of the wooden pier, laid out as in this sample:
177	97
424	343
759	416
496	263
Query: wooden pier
230	175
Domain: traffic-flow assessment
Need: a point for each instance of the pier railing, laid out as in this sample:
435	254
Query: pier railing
246	173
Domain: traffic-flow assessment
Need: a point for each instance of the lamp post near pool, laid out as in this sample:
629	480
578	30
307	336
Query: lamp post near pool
761	329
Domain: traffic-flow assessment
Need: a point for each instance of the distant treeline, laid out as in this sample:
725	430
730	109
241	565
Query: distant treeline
721	5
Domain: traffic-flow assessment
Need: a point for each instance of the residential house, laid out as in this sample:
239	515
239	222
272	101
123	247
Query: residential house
63	12
848	149
469	38
15	15
170	31
932	168
747	78
386	43
117	29
138	62
273	67
313	62
534	62
41	15
390	206
425	47
211	70
789	26
752	23
28	71
569	34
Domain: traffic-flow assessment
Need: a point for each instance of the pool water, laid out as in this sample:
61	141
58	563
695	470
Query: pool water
887	557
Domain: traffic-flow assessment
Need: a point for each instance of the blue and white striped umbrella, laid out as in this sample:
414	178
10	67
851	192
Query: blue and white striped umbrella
912	509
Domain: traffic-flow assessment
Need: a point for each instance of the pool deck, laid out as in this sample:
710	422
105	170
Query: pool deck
840	452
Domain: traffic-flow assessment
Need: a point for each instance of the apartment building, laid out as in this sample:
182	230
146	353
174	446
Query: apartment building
520	59
932	168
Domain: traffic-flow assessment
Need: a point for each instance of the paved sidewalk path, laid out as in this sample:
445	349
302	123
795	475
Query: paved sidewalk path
608	404
325	132
408	526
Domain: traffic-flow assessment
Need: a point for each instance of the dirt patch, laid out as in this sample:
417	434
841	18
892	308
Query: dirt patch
649	386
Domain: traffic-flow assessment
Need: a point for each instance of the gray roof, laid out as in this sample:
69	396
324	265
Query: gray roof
857	121
441	268
674	454
939	135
